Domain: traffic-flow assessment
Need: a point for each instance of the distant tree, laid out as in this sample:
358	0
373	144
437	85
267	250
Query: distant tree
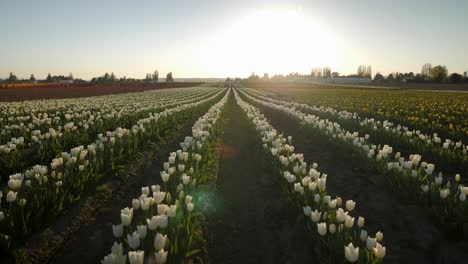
70	77
12	78
426	71
418	77
155	76
315	73
465	74
169	78
32	78
439	73
112	77
335	74
326	73
379	77
369	71
364	71
49	77
266	76
390	77
455	78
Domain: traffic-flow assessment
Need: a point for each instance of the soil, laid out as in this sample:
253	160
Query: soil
410	233
253	222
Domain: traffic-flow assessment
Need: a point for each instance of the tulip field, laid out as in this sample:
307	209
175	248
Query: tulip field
231	174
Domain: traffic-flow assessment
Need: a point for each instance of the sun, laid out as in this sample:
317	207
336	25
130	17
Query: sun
274	41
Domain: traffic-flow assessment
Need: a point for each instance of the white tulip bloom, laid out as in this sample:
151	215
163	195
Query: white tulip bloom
11	196
117	230
350	204
322	228
126	216
370	243
161	257
133	240
379	251
136	257
159	241
315	216
142	231
379	236
307	210
363	235
351	253
444	193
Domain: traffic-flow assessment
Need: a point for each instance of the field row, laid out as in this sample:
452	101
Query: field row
163	222
424	111
445	196
36	196
40	140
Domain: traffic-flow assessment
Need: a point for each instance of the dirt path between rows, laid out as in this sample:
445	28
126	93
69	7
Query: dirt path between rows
252	223
411	236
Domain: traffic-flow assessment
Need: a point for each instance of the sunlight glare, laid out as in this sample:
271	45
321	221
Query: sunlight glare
274	41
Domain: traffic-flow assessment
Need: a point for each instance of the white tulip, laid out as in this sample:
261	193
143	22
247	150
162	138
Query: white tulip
379	251
136	257
351	253
158	197
315	216
133	240
145	190
190	207
363	235
117	230
159	241
162	209
349	222
360	222
370	243
444	193
11	196
340	215
307	210
142	231
379	236
350	204
126	216
161	256
322	228
136	204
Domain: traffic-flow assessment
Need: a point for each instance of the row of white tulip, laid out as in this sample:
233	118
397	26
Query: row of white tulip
164	229
51	125
410	172
46	190
328	217
75	113
53	141
414	135
40	110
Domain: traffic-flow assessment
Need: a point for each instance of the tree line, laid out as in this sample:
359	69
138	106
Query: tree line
428	73
106	78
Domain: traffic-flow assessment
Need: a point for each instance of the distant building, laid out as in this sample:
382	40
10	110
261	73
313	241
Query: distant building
352	80
348	80
66	81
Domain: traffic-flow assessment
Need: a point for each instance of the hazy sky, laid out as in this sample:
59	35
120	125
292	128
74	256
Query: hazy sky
221	38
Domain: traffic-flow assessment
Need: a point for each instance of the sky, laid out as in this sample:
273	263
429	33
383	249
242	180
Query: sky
229	38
